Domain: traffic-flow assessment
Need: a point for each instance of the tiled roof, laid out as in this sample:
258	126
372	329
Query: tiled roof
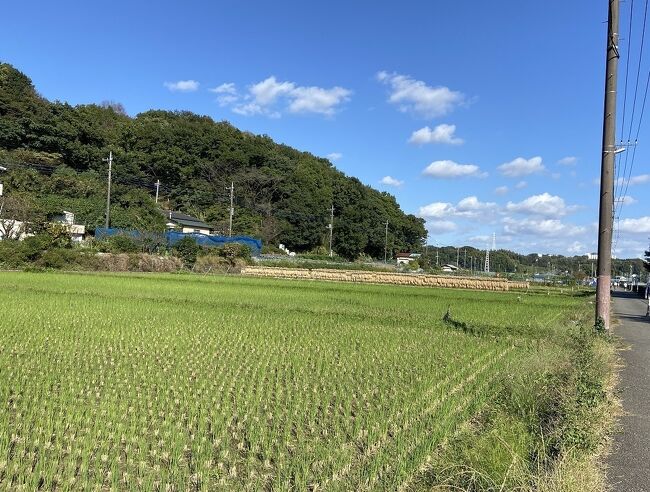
186	220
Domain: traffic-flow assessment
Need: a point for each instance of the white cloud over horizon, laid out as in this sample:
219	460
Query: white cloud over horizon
545	205
334	156
182	86
443	134
415	96
447	169
549	228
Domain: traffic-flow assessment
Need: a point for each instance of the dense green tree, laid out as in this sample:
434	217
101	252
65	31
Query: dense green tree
55	152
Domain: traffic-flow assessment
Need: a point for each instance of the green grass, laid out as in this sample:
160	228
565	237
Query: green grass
157	381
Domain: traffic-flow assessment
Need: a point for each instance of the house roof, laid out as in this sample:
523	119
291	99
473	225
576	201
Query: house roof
186	220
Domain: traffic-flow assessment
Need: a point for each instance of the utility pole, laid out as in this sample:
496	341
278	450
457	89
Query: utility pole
386	244
157	189
108	194
331	228
606	218
232	208
465	260
437	250
457	257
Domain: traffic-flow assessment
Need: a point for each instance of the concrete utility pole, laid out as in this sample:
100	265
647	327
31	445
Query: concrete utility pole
465	259
457	257
386	244
437	250
232	208
331	228
157	189
108	194
606	218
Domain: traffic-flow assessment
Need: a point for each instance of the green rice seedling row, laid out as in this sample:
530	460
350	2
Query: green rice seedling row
175	382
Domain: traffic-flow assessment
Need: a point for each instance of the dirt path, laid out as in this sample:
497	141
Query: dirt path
629	462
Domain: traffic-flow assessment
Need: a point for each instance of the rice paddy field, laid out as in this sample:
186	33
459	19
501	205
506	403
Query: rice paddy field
181	382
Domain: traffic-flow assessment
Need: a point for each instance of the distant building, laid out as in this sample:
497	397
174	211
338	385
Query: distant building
449	268
594	256
186	223
13	229
77	231
406	258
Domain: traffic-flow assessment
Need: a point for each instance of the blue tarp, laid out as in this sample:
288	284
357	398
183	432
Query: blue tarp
173	237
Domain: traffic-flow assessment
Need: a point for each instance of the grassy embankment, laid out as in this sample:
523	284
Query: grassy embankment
137	382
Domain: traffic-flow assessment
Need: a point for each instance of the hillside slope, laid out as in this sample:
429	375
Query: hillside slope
54	154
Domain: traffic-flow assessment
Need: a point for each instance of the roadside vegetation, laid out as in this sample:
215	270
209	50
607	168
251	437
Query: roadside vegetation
227	383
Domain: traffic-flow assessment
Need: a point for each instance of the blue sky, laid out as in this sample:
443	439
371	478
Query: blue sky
480	117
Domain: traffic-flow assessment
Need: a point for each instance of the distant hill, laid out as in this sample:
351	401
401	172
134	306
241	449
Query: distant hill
55	151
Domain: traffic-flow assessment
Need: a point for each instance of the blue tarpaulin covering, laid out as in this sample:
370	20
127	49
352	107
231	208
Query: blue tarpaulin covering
173	237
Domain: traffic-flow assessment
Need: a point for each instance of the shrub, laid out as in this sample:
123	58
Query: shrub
120	243
59	259
187	250
211	263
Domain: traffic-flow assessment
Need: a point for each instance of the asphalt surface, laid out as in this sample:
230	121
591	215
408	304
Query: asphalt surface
629	462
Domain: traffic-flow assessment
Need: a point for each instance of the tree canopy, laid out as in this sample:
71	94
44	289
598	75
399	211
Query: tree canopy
54	151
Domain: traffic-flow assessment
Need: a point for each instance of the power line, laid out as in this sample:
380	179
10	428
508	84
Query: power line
636	91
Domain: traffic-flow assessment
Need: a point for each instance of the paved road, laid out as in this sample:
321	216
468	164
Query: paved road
629	462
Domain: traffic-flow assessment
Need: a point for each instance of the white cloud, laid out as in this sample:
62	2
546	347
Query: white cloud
390	181
272	97
556	175
227	99
549	228
417	97
577	248
470	208
334	156
441	226
640	225
182	86
634	180
248	109
544	205
440	134
318	100
521	185
628	200
568	161
449	169
501	190
521	167
227	88
437	210
267	91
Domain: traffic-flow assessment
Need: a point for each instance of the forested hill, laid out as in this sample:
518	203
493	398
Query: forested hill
54	154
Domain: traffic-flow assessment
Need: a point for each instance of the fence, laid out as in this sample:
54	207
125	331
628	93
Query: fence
172	237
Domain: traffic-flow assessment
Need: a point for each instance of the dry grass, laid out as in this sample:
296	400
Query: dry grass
357	276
